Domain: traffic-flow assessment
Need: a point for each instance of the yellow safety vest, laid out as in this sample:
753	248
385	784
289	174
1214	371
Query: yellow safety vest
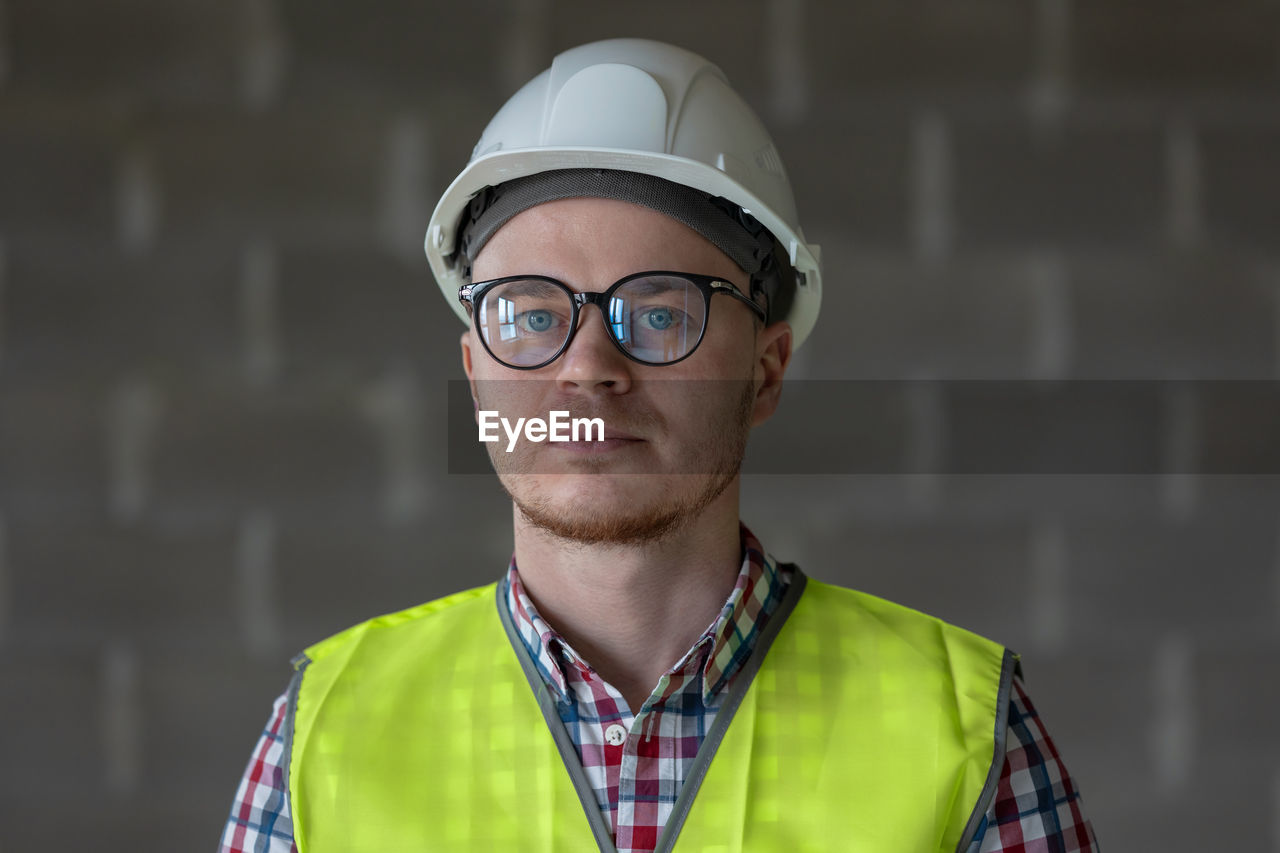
857	724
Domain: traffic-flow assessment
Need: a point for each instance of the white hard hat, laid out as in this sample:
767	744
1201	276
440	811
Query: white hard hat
636	106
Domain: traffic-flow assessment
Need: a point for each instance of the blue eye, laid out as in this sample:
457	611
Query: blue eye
659	319
536	321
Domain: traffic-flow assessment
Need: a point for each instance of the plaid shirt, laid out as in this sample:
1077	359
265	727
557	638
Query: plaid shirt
636	762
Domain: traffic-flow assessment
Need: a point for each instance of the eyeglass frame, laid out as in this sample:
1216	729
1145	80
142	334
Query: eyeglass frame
707	285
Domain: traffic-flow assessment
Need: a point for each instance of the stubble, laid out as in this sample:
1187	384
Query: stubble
713	462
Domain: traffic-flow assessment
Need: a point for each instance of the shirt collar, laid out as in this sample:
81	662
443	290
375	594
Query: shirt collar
721	651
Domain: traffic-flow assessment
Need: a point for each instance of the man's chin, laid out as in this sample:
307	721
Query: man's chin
592	509
596	528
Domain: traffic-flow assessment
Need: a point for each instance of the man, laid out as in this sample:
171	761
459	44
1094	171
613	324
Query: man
644	676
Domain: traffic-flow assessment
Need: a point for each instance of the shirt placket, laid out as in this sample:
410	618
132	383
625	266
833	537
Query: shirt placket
650	772
601	735
637	810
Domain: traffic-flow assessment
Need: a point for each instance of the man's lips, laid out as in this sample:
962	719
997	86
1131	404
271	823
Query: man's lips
592	446
613	440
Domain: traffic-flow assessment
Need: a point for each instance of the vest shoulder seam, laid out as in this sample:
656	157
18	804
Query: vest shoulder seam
291	710
1010	665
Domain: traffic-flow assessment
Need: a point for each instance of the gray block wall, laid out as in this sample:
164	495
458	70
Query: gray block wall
222	361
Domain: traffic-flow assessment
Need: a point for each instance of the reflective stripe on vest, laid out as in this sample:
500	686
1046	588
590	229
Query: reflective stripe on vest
857	725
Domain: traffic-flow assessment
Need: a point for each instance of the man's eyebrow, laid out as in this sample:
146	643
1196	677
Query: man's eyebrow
531	287
652	284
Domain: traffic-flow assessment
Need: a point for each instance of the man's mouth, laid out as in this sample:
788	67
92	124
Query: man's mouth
614	440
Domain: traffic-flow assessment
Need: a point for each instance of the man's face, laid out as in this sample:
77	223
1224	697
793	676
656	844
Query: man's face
675	434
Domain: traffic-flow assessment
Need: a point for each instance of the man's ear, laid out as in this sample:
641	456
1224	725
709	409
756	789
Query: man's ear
773	354
469	369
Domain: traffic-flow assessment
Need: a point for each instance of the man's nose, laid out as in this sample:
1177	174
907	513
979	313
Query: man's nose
592	359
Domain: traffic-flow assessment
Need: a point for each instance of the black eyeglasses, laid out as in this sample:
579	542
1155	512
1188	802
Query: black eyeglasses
527	321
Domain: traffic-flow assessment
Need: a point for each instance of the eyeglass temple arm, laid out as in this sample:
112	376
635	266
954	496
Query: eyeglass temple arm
726	287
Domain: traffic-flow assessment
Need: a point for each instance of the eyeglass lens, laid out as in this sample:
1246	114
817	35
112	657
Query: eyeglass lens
656	319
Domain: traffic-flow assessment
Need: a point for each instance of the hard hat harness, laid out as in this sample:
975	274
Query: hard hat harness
731	229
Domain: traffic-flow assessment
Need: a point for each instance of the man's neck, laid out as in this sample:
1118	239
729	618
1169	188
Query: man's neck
632	611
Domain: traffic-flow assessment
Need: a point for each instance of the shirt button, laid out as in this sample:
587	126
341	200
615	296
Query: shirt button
615	735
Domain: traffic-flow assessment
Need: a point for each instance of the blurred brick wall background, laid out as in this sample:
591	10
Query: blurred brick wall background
222	359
